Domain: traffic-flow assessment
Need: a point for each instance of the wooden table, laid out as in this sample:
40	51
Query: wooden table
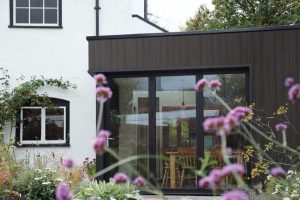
172	156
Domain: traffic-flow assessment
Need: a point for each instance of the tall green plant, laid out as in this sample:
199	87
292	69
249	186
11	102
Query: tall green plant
12	99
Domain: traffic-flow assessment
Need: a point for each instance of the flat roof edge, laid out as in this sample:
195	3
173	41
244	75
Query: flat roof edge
238	30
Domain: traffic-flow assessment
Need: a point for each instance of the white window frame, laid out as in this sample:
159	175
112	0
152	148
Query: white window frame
35	24
43	127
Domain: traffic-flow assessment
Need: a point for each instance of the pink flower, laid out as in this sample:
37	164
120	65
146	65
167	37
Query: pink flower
68	163
234	195
281	127
289	81
229	151
221	125
277	171
213	179
120	178
99	144
294	93
103	94
206	181
93	198
214	124
63	192
201	84
100	79
104	133
233	168
214	84
240	112
139	181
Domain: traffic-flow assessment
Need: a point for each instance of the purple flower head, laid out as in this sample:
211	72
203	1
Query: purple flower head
93	198
216	175
63	192
103	94
139	181
214	84
99	144
229	151
234	195
201	84
233	168
281	127
294	93
120	178
277	171
213	124
289	81
68	163
100	79
104	133
212	180
206	181
240	112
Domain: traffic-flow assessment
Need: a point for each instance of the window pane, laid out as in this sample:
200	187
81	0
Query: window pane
22	3
55	124
22	15
31	124
50	16
176	131
233	92
36	3
51	3
129	121
36	16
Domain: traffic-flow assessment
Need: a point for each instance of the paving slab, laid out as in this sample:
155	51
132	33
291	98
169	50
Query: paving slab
153	197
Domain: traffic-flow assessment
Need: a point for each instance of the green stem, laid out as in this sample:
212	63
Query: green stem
237	177
99	117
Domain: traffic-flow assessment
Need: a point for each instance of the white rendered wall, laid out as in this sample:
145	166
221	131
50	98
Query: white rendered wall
64	53
116	18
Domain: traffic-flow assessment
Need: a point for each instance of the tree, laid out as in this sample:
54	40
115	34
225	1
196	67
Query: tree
245	13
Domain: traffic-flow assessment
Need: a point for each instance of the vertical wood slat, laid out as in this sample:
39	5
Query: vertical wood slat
272	55
293	113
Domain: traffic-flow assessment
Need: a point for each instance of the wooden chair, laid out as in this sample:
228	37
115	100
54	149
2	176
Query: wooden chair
216	155
188	163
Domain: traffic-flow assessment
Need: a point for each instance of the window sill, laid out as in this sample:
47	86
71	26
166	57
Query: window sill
40	27
42	145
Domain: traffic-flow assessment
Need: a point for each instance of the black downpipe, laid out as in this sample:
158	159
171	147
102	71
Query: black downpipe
97	8
146	9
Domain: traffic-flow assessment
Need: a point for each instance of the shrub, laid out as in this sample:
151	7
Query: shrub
43	185
109	190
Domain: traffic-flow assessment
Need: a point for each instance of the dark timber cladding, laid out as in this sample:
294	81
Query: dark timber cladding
271	54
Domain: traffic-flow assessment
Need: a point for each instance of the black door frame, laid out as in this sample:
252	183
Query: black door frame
151	75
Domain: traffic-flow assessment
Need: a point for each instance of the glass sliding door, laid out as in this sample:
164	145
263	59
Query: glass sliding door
176	132
233	92
128	122
161	116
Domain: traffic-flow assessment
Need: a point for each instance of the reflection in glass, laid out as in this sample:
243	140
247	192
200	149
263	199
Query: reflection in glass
176	131
31	124
50	16
36	16
233	92
36	3
129	121
22	3
55	124
22	15
51	3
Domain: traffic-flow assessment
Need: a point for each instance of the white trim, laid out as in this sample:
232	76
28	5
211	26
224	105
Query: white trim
43	127
42	8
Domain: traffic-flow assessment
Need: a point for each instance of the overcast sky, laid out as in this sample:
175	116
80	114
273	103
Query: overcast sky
172	14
